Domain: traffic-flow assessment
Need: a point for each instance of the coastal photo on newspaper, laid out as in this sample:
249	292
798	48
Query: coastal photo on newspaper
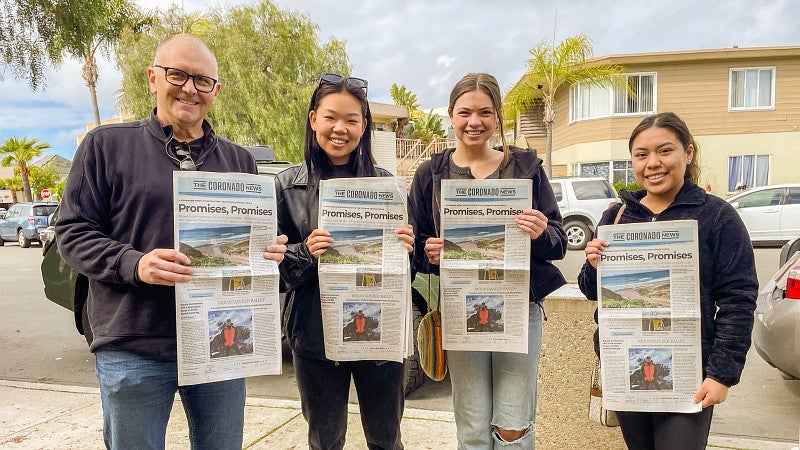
364	276
228	316
649	316
485	265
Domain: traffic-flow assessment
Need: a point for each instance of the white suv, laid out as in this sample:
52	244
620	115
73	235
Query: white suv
582	202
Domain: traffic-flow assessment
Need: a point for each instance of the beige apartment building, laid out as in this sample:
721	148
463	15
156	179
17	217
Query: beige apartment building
742	105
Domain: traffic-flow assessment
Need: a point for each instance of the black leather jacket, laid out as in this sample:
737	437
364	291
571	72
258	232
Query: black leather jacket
298	211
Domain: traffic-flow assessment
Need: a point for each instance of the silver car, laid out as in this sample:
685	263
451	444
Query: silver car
776	334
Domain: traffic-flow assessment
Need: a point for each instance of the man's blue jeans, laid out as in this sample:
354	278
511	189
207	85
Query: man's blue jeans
137	395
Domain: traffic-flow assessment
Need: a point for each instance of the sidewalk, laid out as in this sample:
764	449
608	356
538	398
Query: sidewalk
36	415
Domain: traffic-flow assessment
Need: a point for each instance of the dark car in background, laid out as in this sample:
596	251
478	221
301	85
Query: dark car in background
23	221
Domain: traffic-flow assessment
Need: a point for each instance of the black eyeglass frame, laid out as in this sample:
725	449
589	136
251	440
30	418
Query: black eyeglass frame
331	78
188	76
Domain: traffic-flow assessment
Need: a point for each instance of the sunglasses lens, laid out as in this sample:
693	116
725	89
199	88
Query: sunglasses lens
188	165
331	78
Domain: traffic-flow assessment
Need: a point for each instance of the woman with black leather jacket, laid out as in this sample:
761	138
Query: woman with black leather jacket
337	145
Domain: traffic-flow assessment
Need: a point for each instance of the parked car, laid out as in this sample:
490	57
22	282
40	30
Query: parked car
22	222
776	332
582	201
770	213
265	159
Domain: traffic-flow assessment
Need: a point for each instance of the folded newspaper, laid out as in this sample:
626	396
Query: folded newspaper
228	316
649	315
485	265
365	276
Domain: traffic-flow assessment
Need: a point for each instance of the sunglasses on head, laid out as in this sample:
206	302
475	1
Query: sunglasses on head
332	78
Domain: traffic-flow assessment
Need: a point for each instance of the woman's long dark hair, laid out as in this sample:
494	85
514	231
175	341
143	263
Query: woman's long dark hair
361	159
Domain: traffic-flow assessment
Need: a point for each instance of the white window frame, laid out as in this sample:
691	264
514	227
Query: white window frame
769	107
754	169
574	91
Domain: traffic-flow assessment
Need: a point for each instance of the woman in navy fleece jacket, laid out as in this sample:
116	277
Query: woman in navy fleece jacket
665	164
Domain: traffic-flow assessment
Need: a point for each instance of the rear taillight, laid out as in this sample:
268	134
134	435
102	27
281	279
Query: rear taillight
793	283
32	219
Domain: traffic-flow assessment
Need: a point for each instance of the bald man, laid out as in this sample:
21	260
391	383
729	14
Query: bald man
115	227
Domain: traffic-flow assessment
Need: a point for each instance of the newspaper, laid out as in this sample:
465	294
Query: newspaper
485	265
364	277
228	316
649	315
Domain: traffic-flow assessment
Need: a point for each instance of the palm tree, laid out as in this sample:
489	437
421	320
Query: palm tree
13	184
404	97
548	69
20	152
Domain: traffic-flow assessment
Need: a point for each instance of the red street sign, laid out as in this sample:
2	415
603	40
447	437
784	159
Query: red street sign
45	193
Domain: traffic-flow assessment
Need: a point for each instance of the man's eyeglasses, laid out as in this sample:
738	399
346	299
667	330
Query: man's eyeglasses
330	78
182	149
177	77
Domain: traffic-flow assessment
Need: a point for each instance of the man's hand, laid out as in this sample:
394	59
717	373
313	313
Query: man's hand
277	250
164	266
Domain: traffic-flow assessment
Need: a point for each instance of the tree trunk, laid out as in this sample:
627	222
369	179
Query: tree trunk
27	195
89	73
549	164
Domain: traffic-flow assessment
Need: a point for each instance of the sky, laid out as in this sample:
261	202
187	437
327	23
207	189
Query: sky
427	45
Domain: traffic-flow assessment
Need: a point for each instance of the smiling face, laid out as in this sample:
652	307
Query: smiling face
183	107
338	124
659	162
474	119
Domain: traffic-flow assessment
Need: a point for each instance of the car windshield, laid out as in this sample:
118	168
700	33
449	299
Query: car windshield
593	189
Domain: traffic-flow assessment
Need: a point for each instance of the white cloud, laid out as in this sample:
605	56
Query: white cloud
446	60
429	45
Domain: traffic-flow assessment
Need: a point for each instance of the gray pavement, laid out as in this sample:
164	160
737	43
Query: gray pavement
36	415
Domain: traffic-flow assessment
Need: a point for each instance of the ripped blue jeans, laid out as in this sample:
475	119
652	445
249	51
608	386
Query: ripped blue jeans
496	389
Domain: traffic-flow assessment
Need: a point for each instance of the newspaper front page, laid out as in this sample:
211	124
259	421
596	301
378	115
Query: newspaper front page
485	265
228	316
649	316
364	277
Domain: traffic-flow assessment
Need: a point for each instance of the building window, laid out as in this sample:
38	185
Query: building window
591	102
623	172
752	88
642	100
747	171
599	169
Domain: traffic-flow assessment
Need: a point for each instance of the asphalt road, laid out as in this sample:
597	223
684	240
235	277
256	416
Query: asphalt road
41	345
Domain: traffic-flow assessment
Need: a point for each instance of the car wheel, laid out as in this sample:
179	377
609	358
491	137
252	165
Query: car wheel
578	235
23	241
415	377
2	242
